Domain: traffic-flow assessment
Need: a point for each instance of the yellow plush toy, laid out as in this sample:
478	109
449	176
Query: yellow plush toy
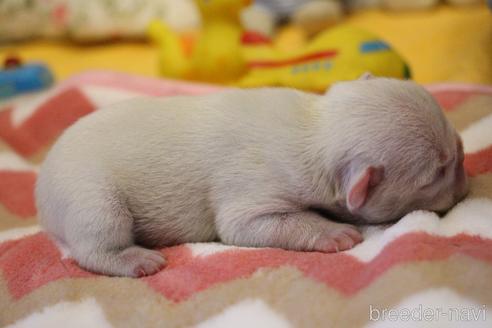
340	53
216	55
224	53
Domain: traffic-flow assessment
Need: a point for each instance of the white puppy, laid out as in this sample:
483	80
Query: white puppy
248	167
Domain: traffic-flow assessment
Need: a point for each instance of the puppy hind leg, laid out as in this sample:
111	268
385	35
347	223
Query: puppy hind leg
102	241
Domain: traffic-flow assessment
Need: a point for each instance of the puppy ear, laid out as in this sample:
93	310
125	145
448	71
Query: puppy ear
366	76
361	185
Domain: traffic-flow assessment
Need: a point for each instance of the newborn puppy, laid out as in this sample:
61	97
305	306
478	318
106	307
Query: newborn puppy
248	167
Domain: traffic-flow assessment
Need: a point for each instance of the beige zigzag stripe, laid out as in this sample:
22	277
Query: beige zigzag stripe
38	157
4	147
481	186
470	111
305	302
11	221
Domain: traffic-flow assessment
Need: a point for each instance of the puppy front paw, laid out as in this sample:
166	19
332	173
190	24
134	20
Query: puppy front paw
339	238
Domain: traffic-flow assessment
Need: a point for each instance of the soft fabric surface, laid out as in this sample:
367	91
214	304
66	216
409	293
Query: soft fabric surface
445	44
422	262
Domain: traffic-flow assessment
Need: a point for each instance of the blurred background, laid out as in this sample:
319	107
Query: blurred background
299	43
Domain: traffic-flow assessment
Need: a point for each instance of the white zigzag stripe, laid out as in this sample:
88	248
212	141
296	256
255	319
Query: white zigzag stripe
472	216
248	313
17	233
27	105
9	161
105	96
478	135
85	313
205	249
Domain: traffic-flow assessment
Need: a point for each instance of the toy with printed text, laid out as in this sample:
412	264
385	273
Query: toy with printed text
340	53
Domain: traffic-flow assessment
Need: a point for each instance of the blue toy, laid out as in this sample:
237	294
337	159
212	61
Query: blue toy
17	79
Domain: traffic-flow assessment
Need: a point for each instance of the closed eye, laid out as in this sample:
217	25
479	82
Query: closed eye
441	173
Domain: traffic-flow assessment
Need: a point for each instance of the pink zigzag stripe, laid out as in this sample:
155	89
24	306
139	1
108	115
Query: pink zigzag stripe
33	261
144	85
462	87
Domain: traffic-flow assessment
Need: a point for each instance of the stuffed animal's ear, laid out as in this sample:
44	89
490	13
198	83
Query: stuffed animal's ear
361	185
366	76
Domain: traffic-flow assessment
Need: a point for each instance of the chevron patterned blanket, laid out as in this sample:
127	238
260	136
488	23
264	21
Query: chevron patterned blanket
422	271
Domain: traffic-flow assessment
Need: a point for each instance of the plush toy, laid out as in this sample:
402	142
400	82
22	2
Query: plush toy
18	78
312	15
340	53
223	53
216	55
404	4
92	20
315	15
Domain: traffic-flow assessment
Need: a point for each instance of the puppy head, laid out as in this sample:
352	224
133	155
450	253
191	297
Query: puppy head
400	153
